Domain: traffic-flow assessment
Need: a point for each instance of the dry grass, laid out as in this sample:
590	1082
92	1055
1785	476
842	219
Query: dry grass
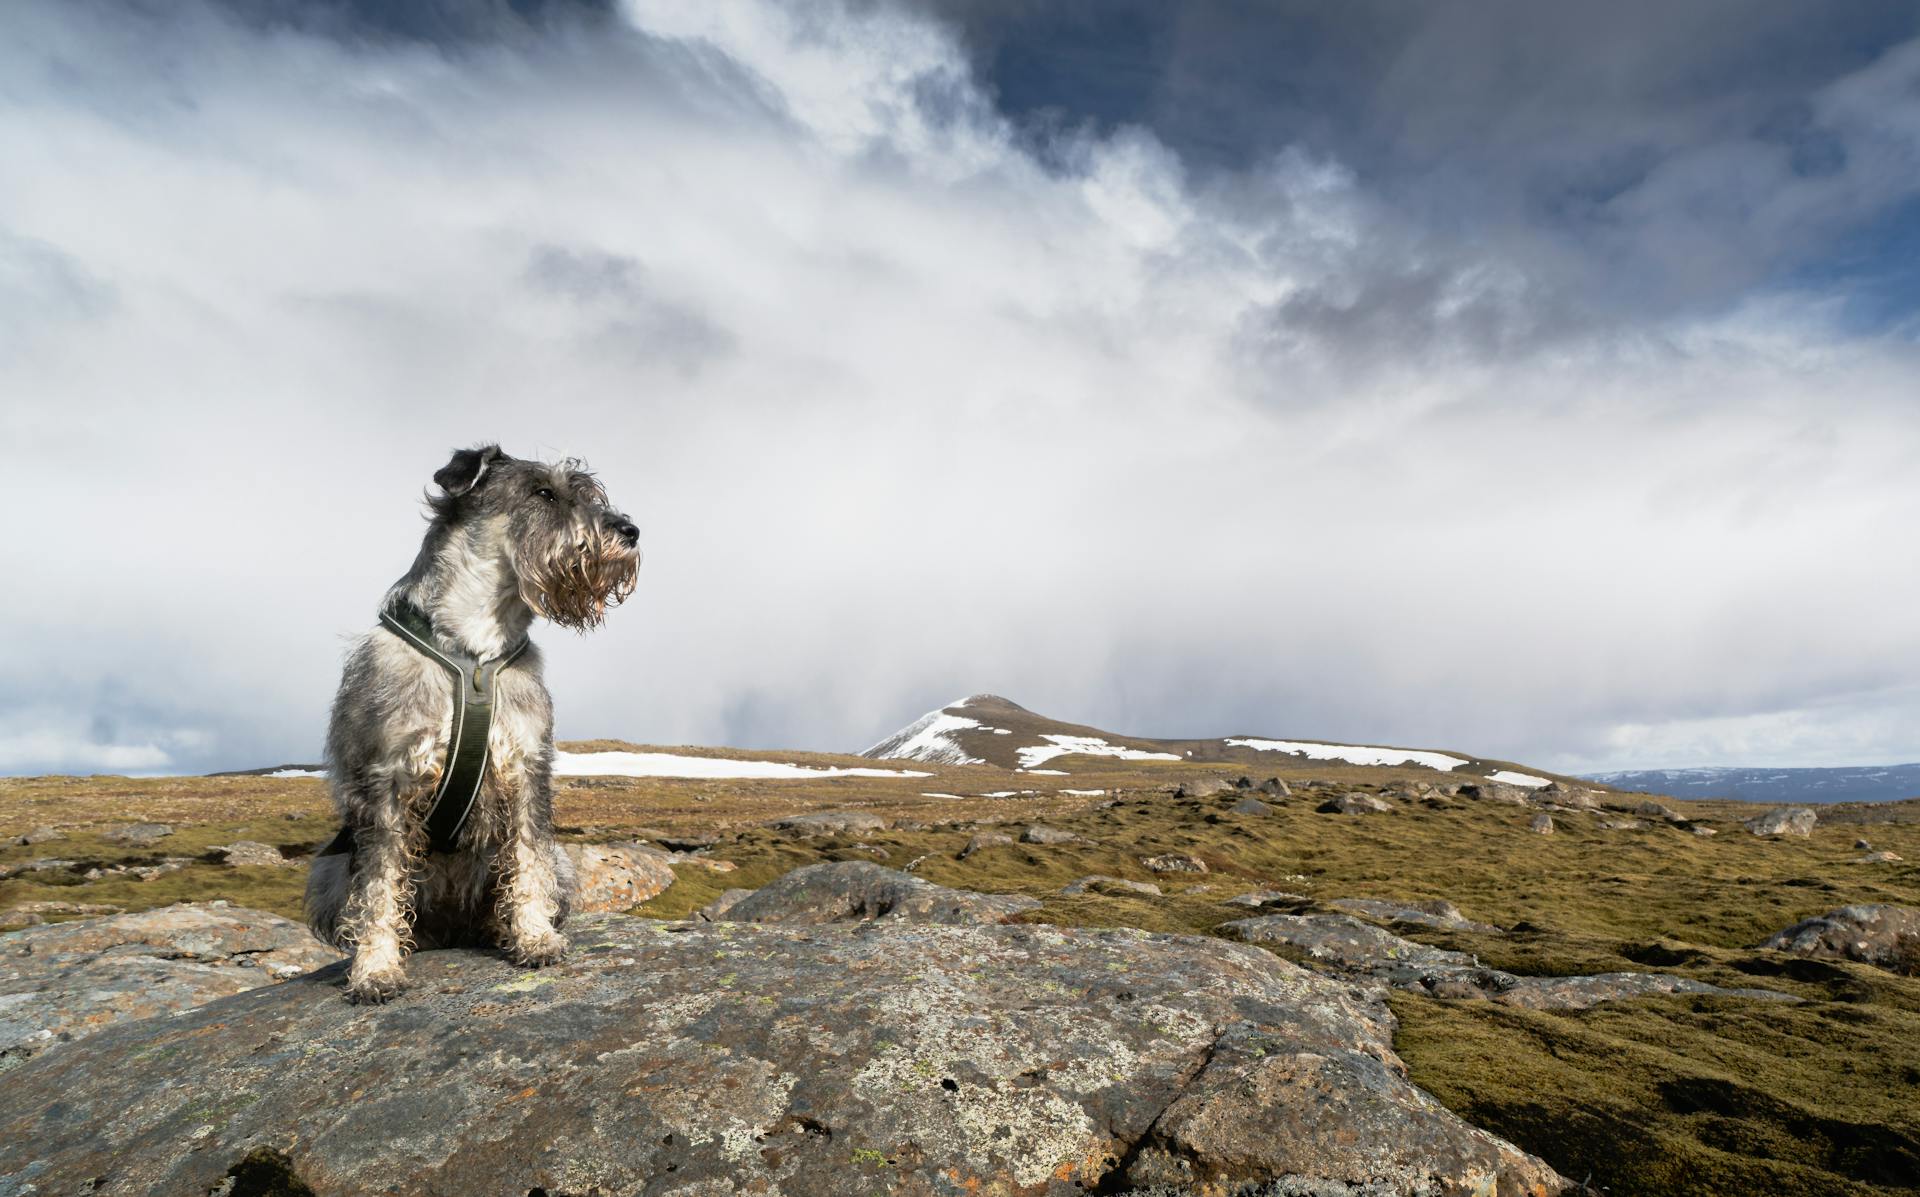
1658	1096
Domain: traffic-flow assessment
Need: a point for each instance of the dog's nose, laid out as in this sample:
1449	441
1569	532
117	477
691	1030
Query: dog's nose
626	530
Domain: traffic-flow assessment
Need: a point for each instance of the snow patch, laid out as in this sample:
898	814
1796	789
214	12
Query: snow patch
1035	755
1047	772
298	773
930	738
1355	754
1086	793
1518	779
668	764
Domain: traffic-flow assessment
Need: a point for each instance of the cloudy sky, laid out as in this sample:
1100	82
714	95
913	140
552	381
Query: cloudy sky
1535	379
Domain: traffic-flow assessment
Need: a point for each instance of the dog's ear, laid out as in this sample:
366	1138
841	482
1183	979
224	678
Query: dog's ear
465	470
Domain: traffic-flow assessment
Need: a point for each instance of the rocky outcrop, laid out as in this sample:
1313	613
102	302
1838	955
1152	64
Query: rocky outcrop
794	1062
137	835
1879	933
1428	912
68	980
1175	862
1349	947
253	854
1788	820
855	891
616	877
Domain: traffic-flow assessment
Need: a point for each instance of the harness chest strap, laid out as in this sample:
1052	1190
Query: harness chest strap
465	767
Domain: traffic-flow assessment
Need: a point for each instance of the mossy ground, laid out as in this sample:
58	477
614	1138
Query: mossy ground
1680	1095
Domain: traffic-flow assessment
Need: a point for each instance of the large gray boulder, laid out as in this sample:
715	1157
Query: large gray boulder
1788	820
1345	946
692	1059
847	891
1875	933
67	980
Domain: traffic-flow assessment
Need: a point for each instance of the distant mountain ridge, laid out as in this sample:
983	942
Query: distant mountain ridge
985	729
1844	783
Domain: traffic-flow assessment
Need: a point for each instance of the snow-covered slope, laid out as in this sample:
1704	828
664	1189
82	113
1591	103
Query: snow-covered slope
985	729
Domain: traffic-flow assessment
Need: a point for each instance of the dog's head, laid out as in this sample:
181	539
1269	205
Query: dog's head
574	554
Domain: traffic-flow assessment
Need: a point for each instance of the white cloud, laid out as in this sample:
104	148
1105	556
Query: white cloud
902	411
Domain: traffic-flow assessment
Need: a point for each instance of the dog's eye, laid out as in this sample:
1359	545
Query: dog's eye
544	493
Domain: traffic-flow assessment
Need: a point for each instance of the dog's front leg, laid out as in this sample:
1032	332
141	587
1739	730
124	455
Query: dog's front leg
529	901
379	899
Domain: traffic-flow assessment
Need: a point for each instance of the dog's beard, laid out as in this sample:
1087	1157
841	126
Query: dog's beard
574	589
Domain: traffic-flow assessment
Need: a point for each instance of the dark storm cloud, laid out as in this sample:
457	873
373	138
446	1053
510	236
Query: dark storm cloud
442	22
1675	154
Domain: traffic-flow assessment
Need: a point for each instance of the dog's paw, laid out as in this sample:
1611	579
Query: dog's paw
536	951
376	988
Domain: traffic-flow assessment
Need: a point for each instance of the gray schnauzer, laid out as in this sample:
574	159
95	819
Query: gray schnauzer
440	749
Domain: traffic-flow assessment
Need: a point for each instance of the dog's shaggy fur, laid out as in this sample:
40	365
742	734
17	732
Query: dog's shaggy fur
508	540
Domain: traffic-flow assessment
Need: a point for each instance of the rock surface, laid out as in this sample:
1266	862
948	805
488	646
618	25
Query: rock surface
1038	834
1542	824
1788	820
1250	806
982	840
1360	950
1174	862
616	877
69	980
1871	934
693	1059
855	891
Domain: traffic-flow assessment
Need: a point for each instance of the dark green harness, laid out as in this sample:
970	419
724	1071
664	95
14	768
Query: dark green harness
474	681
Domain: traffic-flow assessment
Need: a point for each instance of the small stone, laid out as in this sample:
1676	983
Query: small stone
40	835
983	840
1251	806
1354	804
1622	825
1047	835
1261	899
1860	845
1881	857
1205	787
1542	824
1273	787
1175	862
1102	884
138	835
249	853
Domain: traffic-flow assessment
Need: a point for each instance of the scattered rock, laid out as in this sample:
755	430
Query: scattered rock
1262	899
1354	804
1174	862
1788	820
1861	845
1542	824
616	877
1099	883
982	840
138	835
39	835
682	841
1115	1060
844	822
1878	933
68	980
146	872
854	891
1494	791
1204	787
46	864
1702	832
1358	950
1559	793
1273	787
1622	825
1048	835
1431	912
1250	806
1881	857
717	910
245	853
